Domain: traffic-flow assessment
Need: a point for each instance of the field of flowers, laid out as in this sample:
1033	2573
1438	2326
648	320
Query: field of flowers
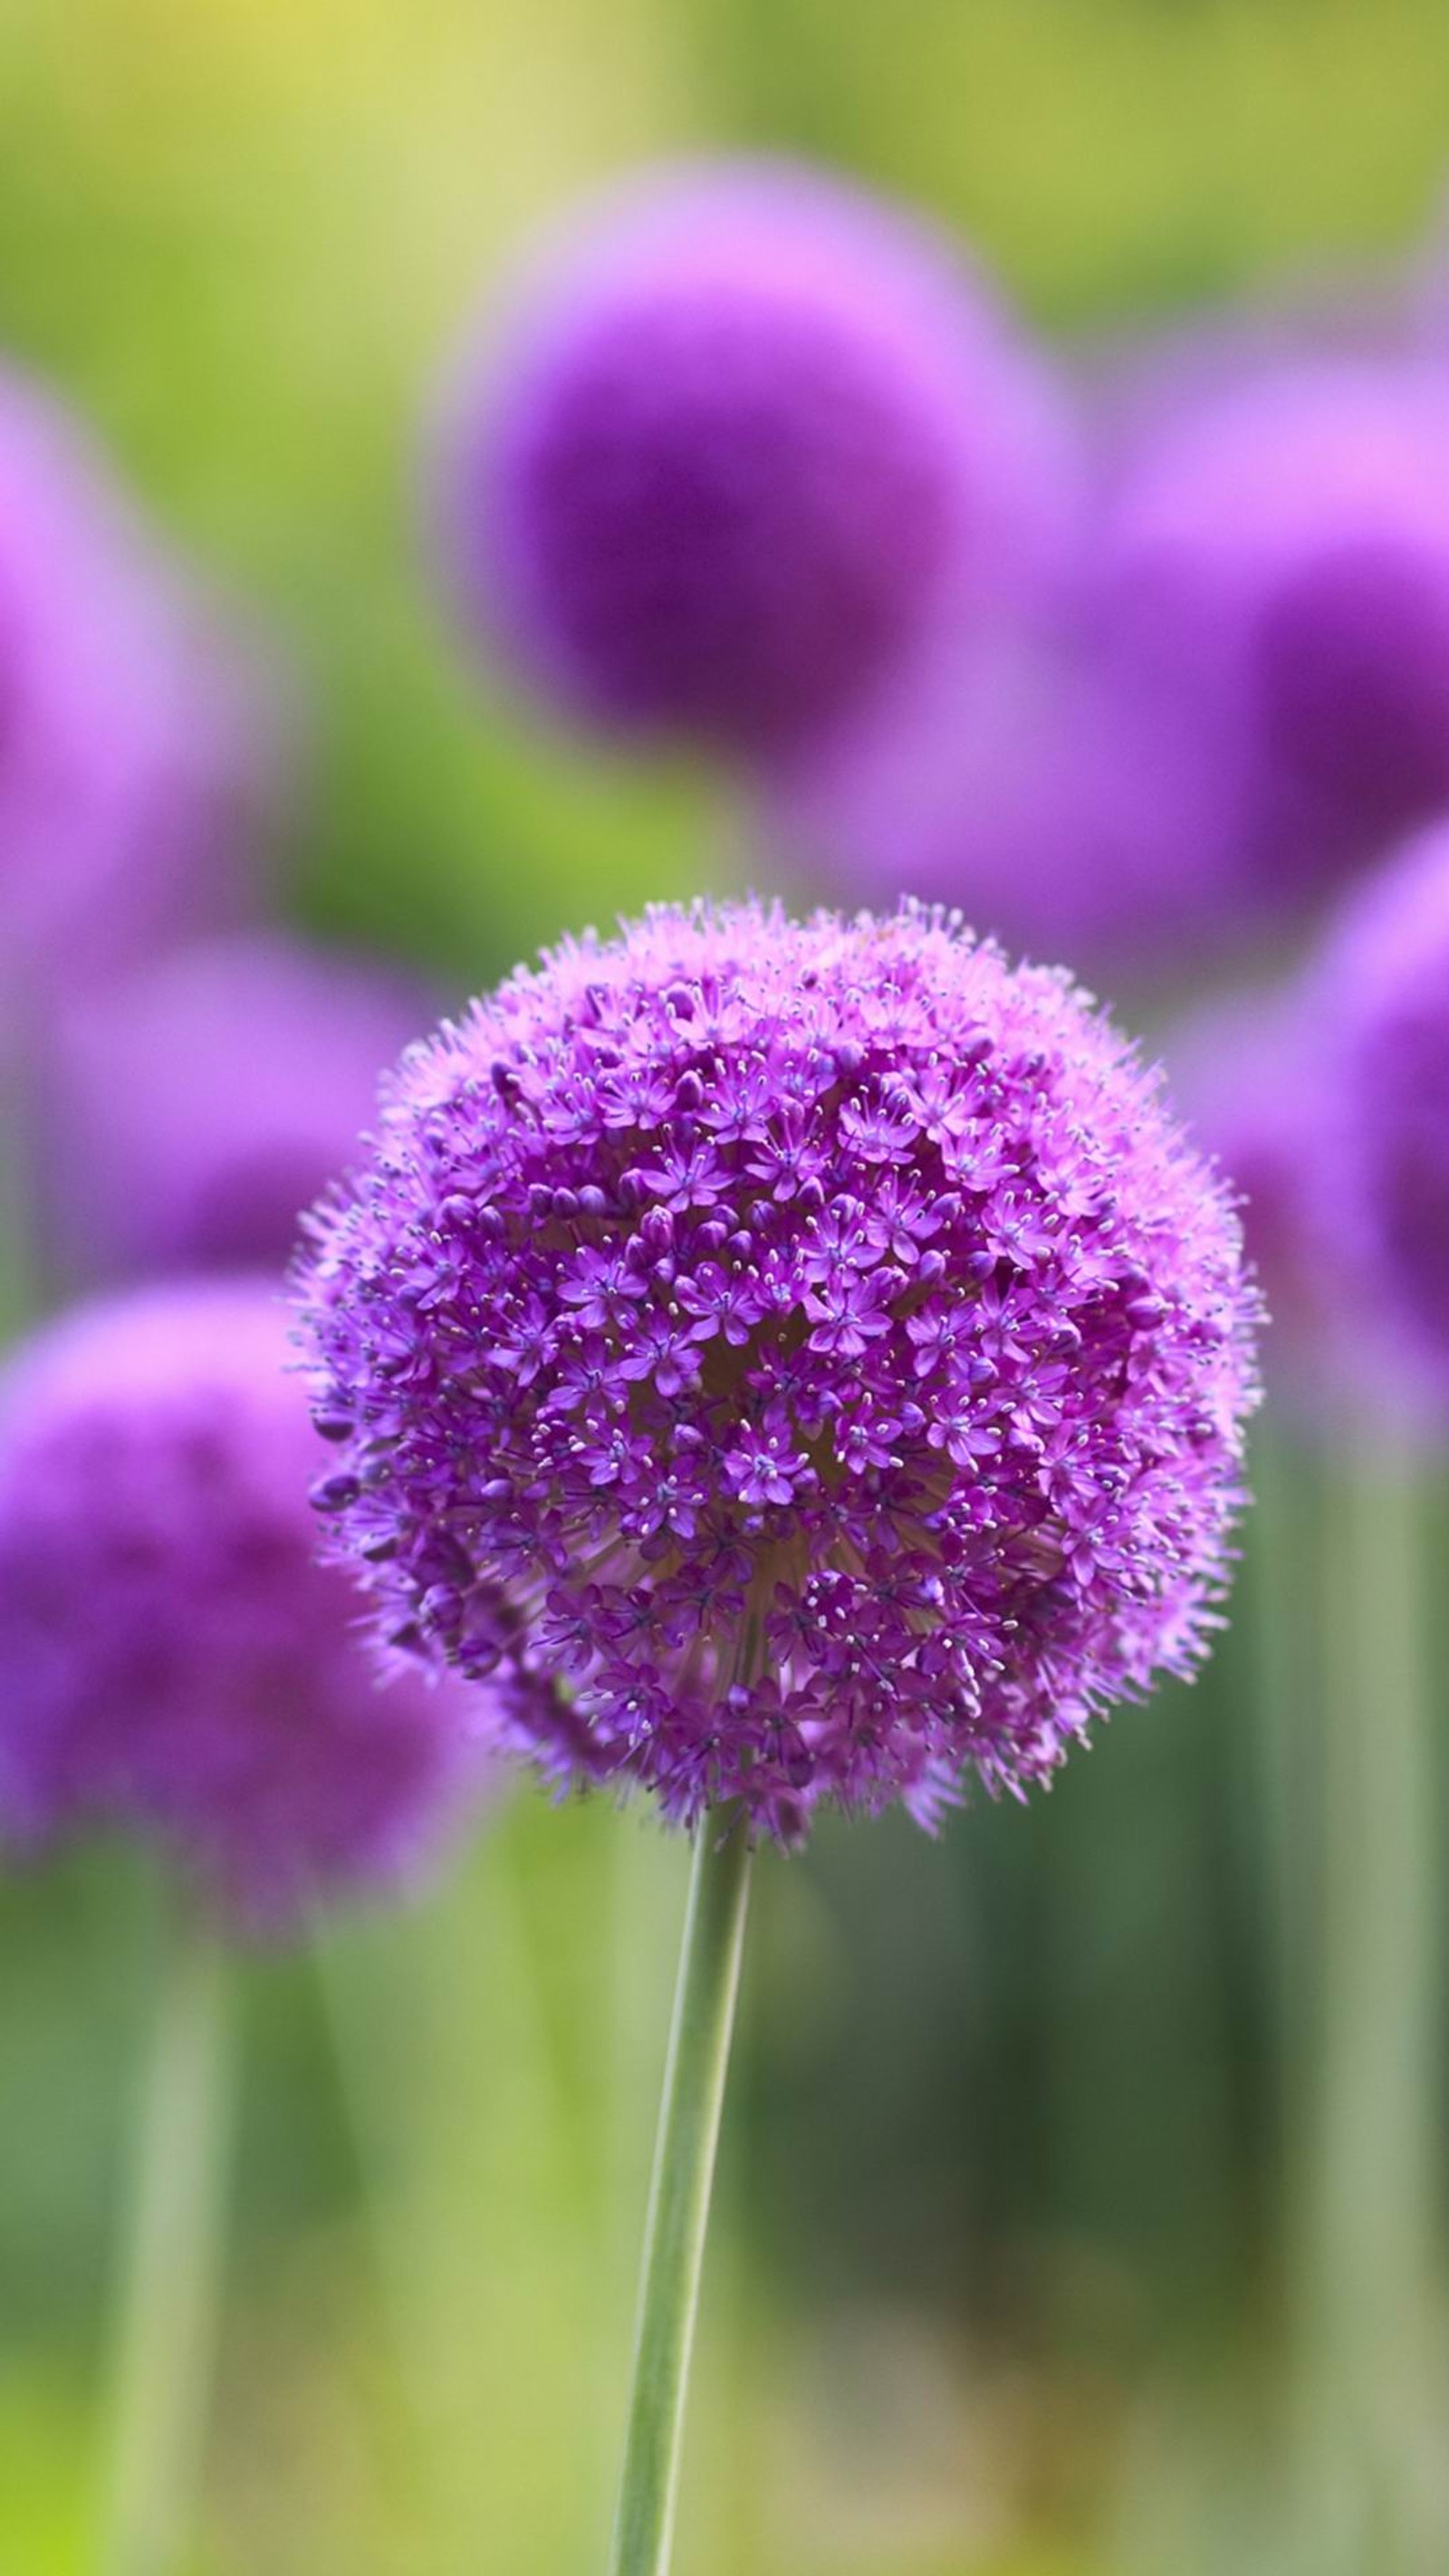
468	475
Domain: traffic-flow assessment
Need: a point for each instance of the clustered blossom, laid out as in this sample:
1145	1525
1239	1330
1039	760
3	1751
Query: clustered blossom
132	737
175	1658
194	1106
803	1361
1381	1168
745	443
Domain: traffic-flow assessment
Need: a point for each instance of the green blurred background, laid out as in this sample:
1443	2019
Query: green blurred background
1003	2281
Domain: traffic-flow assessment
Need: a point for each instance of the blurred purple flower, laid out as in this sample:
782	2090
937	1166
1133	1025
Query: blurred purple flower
175	1657
131	734
197	1106
891	1457
1247	1071
1138	381
747	441
1244	702
1276	568
1381	992
1059	811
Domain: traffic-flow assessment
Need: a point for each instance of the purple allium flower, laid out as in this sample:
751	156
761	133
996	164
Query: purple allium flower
1278	561
1247	1072
745	443
129	733
1060	811
811	1345
1381	992
199	1104
175	1657
1244	700
1138	382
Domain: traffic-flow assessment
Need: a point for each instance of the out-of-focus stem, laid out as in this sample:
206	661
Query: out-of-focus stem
19	1252
1368	2235
169	2290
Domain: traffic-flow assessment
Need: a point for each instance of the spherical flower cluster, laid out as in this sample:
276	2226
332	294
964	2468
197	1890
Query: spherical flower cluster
805	1360
175	1657
130	734
1278	560
743	445
1381	993
199	1104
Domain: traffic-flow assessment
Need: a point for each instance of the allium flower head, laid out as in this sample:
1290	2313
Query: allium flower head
199	1105
1279	560
804	1360
130	736
1382	995
175	1657
742	446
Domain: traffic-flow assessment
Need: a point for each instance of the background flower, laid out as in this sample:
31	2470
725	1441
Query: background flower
1277	562
1024	782
176	1660
132	735
1381	991
197	1105
1248	1071
746	446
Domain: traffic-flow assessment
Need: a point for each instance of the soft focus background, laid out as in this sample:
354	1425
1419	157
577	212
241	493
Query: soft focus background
1022	2135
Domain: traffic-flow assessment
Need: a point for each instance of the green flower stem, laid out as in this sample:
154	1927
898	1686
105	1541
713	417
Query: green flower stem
1368	2202
168	2300
20	1283
1285	1623
699	2045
